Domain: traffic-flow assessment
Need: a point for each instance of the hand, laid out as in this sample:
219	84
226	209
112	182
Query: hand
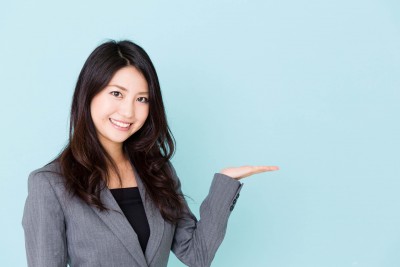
244	171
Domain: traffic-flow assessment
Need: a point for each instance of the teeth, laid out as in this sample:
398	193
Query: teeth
120	124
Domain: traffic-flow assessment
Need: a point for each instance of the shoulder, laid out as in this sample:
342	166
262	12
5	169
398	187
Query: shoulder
45	176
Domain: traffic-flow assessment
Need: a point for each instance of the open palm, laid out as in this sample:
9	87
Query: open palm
244	171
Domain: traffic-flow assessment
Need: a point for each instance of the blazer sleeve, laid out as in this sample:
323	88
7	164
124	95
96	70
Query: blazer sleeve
195	242
43	224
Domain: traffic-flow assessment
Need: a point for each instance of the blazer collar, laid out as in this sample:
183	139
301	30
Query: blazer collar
156	221
120	226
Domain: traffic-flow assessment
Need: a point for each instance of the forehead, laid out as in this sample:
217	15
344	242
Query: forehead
129	79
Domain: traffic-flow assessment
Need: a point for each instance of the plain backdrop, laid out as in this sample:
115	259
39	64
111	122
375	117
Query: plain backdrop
311	86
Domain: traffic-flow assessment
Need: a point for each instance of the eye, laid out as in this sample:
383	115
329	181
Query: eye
146	100
115	93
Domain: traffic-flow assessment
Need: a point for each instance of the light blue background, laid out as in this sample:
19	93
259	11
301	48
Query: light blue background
310	86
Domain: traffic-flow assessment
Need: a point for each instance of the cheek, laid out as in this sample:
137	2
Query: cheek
142	114
99	111
101	108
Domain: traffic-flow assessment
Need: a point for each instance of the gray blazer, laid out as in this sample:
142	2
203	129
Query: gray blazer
61	230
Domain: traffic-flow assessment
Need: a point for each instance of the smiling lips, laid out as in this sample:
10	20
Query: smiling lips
120	124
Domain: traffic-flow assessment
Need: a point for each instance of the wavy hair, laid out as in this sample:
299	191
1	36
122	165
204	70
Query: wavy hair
84	162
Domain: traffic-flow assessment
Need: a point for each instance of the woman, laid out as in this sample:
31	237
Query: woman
112	196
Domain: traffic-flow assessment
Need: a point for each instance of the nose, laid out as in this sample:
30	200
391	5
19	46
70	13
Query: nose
127	109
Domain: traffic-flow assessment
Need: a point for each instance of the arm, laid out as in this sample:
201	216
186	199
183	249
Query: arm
43	224
196	242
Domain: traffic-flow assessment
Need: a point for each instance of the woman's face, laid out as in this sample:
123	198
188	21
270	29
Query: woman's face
121	108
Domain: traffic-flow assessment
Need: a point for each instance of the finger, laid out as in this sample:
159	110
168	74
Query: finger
259	169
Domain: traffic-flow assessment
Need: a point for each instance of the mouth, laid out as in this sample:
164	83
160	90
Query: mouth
120	124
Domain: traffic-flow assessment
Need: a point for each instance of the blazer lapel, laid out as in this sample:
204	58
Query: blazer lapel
120	226
156	222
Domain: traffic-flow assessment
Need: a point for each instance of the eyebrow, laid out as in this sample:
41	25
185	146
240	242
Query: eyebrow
123	88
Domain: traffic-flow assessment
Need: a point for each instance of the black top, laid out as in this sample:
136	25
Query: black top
131	204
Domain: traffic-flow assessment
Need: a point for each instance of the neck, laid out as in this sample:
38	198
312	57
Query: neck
117	153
